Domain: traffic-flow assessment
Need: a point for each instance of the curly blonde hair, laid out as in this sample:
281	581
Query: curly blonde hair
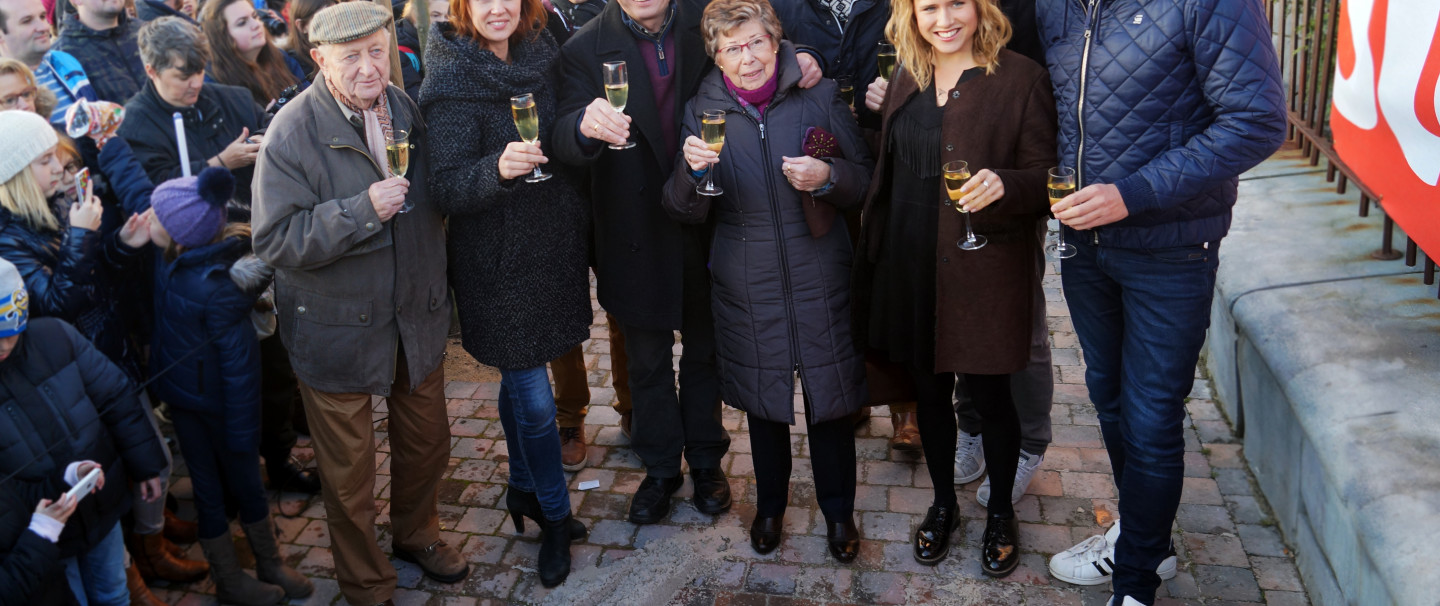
917	56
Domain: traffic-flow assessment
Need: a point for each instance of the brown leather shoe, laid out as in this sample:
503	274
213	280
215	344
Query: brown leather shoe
439	561
180	531
572	448
907	432
154	560
139	592
625	424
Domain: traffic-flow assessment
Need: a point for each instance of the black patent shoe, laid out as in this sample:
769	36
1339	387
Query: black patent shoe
712	491
765	533
651	502
527	505
1000	549
844	540
932	538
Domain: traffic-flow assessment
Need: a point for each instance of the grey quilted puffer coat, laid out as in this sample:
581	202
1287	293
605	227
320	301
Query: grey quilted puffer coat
781	297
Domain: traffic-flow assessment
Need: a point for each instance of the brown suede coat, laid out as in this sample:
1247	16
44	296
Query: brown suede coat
1004	121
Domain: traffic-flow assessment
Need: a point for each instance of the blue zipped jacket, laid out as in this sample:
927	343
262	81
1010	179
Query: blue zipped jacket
1169	100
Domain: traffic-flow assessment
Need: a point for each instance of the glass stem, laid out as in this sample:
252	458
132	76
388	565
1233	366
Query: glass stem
969	233
1060	237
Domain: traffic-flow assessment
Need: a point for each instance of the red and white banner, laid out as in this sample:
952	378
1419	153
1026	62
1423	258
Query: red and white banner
1386	121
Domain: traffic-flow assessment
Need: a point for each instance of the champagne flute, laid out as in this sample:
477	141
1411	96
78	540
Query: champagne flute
397	156
617	92
712	130
887	60
847	90
957	173
1061	184
527	121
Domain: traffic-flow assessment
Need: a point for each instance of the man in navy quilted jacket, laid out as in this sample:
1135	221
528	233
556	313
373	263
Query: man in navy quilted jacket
1162	104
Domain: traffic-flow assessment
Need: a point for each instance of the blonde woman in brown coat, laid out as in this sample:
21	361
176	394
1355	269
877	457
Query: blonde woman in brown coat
935	309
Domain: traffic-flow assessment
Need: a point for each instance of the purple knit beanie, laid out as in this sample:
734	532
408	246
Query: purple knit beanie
192	209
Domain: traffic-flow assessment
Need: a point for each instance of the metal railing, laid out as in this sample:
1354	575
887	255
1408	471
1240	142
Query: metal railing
1306	34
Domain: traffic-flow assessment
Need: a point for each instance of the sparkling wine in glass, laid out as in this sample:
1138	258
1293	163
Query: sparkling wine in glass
397	157
712	131
617	91
1061	184
957	174
527	121
887	60
847	90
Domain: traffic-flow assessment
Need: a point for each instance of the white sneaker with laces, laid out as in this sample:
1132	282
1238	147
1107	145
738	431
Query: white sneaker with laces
969	458
1024	472
1093	560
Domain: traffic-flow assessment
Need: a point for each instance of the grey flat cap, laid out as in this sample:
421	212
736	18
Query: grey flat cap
347	21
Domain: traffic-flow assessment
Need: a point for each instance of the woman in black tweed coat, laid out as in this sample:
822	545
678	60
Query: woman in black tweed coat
517	250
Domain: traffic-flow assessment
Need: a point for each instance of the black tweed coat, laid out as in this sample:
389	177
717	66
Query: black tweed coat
518	252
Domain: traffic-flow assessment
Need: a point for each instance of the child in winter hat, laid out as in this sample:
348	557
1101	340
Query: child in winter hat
14	301
191	210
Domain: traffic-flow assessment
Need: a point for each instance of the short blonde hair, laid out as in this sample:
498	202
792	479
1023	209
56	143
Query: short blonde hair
917	56
723	16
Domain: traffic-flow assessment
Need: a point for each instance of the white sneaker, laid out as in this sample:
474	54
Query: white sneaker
1093	560
969	458
1129	601
1024	472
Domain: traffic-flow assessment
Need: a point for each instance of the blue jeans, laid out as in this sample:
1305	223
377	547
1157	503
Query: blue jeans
1141	316
214	471
527	412
97	577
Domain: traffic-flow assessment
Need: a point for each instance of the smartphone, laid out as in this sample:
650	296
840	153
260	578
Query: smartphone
83	186
85	485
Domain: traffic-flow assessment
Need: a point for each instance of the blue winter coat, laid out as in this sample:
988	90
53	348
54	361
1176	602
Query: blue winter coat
204	336
1179	98
61	401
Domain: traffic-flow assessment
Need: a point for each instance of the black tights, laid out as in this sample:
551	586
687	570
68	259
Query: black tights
1001	428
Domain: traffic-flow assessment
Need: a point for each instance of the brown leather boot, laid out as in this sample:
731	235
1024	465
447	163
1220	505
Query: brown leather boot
140	593
907	432
572	448
438	561
180	531
154	560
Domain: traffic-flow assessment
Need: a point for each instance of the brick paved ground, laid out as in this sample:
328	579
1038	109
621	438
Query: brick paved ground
1230	552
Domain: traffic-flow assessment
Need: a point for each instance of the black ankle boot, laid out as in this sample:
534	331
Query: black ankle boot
1000	549
932	538
527	505
554	551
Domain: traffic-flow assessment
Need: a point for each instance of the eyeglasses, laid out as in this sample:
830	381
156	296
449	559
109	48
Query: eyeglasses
12	101
758	46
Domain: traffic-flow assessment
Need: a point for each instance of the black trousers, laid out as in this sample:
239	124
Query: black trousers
990	396
279	397
832	460
666	425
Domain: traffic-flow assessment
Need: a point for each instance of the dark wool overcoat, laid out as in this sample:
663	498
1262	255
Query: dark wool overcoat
518	251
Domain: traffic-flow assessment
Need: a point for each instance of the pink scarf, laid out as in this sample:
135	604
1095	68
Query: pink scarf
760	97
378	131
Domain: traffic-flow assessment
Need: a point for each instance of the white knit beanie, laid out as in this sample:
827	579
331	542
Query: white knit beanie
24	136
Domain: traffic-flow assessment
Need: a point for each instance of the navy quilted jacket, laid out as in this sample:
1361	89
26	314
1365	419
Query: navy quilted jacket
204	336
1170	100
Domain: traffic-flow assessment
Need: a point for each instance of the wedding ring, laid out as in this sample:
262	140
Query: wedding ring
595	127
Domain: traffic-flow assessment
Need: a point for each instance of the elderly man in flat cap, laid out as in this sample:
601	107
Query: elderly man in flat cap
359	254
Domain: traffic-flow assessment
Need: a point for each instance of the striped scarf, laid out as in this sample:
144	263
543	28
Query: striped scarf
378	131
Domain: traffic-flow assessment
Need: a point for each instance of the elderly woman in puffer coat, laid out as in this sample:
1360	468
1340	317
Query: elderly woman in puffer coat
780	259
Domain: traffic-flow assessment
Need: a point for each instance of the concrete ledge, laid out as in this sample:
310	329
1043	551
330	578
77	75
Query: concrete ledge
1330	364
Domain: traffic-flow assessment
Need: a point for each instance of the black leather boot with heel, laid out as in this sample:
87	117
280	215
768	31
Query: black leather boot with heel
555	539
527	505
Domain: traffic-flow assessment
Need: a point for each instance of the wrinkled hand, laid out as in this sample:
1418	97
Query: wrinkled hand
983	189
519	158
84	469
805	173
810	73
152	489
1091	207
603	123
86	214
697	154
875	94
388	196
240	152
59	510
136	231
